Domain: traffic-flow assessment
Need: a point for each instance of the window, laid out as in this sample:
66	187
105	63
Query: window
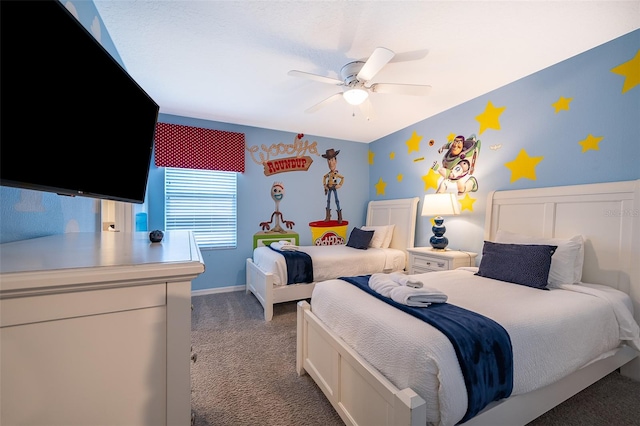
203	201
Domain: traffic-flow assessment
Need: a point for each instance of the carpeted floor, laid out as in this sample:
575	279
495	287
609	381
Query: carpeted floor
245	374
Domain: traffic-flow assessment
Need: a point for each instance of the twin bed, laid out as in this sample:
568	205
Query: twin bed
378	364
266	271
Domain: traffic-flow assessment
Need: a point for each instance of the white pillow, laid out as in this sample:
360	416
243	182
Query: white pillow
389	236
378	236
566	262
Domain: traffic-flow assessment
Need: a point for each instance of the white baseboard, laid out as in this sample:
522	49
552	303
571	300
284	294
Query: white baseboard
217	290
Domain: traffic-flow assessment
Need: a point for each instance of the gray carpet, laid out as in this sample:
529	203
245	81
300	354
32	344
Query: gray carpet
245	374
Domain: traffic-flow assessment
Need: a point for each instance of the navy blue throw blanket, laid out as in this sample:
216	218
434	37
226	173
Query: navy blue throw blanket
299	266
483	347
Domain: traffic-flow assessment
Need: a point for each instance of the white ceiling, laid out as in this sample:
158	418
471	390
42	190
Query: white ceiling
228	60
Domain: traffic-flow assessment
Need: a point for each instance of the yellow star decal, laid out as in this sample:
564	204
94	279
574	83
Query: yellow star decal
392	155
523	166
631	72
413	143
451	137
562	103
489	119
467	203
371	155
431	179
591	142
380	187
399	177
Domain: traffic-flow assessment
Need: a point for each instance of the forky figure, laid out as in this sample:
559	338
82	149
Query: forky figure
277	193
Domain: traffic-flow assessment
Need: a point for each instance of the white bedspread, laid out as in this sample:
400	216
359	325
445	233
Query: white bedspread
553	333
333	261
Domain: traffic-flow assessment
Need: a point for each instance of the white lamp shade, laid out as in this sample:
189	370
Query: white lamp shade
355	96
440	205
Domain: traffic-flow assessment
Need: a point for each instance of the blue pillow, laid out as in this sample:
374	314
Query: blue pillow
360	239
524	264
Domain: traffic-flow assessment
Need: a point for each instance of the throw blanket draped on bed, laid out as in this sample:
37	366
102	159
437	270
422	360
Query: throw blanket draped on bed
482	346
299	266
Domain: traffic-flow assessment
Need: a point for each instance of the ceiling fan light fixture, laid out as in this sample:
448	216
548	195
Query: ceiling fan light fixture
355	96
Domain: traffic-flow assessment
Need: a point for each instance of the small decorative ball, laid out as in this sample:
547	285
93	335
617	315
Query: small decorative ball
156	236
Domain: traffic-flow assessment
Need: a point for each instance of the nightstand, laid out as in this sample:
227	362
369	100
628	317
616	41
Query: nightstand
426	259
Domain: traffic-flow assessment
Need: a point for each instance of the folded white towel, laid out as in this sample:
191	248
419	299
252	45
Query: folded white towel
405	280
417	296
284	245
382	283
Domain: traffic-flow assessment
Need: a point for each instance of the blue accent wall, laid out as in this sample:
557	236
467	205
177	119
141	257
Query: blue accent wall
591	138
575	120
304	200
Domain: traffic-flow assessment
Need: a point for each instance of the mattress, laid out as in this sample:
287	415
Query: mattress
333	261
553	333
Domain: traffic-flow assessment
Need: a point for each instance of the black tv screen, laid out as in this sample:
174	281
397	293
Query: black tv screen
73	121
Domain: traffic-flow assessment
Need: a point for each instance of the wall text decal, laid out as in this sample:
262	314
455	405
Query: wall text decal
299	162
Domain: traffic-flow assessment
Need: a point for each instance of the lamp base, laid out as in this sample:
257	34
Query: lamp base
438	241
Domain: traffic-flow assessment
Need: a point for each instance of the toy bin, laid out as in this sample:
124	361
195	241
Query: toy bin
328	233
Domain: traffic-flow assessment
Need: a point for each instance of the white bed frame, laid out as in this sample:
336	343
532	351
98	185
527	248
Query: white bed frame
401	212
606	214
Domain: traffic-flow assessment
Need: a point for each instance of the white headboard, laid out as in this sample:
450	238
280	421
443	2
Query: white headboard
606	214
402	213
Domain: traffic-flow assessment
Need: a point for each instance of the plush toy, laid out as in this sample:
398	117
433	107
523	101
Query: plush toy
277	193
332	181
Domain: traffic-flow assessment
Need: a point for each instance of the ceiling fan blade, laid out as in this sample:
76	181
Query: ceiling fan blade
316	77
322	103
401	89
414	55
380	57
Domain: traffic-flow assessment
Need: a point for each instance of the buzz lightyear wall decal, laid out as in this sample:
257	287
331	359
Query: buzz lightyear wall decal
331	182
277	194
458	164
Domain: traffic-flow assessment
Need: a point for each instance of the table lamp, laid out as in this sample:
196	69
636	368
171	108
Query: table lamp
439	205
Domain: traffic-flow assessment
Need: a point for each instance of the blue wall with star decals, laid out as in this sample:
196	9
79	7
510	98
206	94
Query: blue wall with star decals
576	122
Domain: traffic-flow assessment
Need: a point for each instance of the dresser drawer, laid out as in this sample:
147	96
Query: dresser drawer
429	264
421	270
424	259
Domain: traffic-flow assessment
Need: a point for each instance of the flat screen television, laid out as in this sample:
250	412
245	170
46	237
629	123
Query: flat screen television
72	121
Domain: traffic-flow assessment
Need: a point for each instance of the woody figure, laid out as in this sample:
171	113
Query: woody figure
332	181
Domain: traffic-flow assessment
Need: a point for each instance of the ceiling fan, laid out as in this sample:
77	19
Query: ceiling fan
356	80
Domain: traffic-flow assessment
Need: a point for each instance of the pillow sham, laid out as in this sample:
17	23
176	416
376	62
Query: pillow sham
566	263
524	264
359	239
389	236
378	237
383	235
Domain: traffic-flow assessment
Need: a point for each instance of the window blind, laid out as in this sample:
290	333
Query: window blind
205	202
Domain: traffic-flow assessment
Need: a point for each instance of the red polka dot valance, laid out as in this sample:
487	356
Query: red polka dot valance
189	147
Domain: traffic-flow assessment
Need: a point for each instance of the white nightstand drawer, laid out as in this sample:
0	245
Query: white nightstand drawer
425	259
430	263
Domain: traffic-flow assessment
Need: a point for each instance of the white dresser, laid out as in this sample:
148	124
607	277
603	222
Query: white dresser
95	329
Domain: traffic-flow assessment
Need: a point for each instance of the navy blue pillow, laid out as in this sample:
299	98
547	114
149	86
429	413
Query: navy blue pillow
360	239
525	264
